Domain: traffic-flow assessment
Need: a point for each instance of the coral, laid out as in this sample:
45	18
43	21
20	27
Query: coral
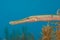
46	33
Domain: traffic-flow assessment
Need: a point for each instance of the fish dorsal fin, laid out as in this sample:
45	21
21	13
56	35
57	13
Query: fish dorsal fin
58	12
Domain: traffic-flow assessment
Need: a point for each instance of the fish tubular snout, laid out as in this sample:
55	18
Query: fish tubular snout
12	22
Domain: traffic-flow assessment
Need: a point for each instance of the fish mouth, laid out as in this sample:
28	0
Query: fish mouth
17	22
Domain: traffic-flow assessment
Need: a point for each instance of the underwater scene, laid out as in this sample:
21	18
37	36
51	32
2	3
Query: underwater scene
29	19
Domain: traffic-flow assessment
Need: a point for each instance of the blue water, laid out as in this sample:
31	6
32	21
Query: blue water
19	9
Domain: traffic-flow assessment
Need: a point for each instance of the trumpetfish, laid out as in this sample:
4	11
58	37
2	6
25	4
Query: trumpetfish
36	18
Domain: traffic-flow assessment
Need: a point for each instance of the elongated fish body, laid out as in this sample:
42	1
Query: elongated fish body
37	18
